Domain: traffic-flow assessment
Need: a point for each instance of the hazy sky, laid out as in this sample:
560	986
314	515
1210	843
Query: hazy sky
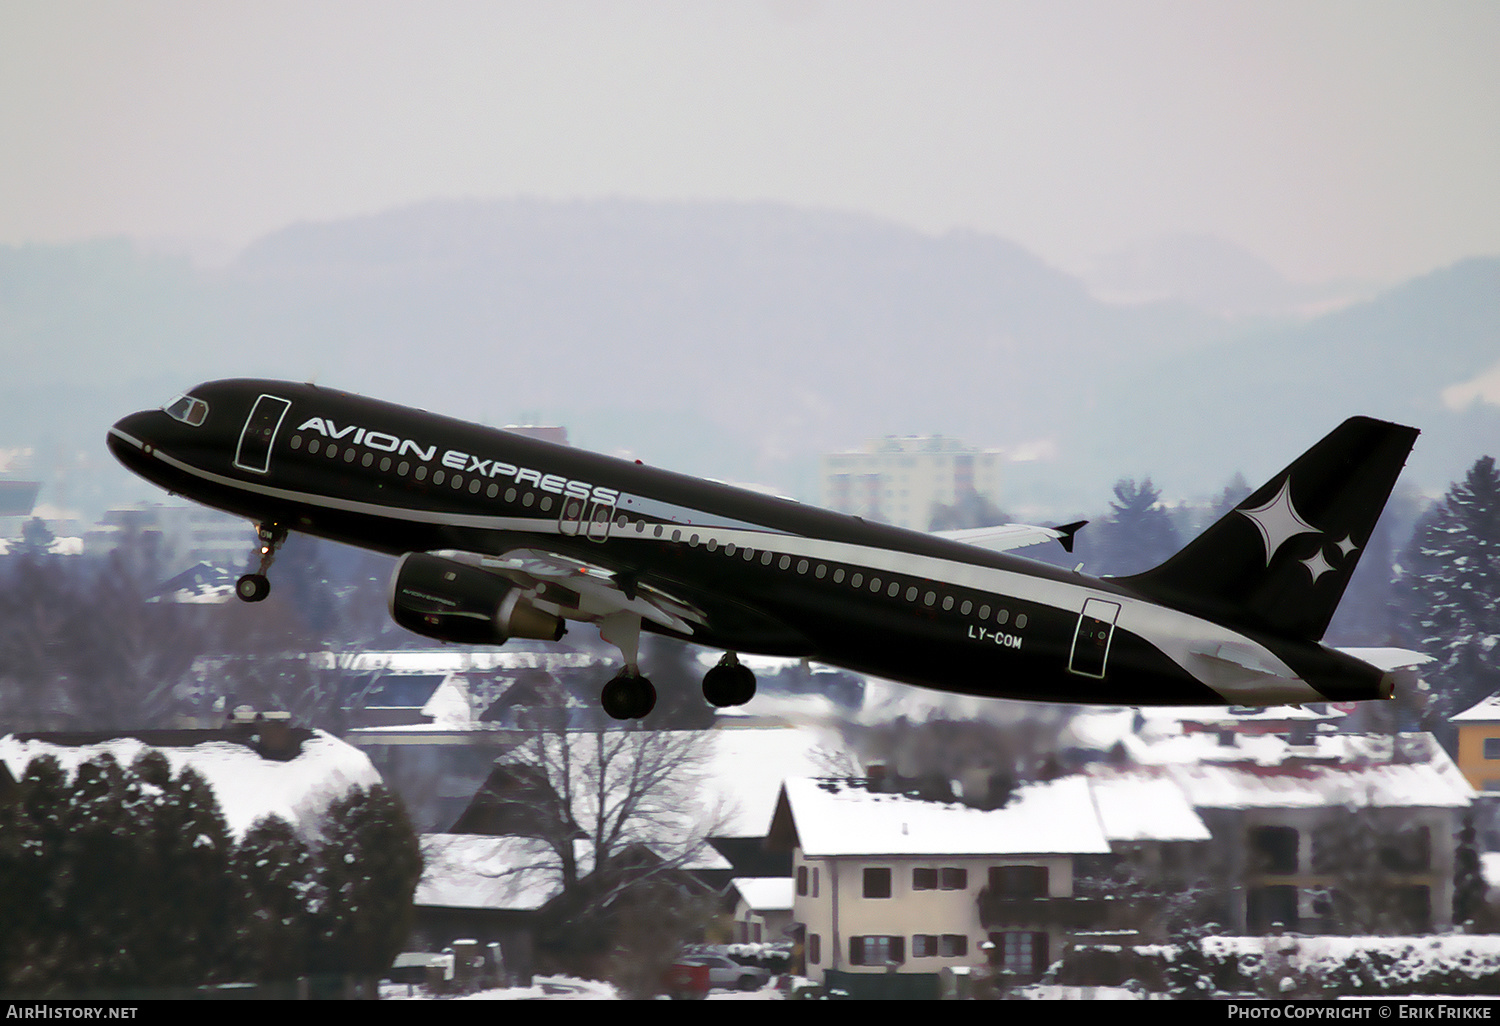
1332	138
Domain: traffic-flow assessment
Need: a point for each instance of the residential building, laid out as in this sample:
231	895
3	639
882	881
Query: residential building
899	480
1479	744
762	909
1330	833
891	883
488	889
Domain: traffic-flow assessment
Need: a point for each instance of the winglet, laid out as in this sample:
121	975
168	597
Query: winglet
1067	531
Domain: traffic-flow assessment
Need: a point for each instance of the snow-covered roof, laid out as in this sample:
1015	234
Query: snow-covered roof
842	817
449	707
765	893
1139	807
478	871
1436	784
1274	750
1487	711
246	785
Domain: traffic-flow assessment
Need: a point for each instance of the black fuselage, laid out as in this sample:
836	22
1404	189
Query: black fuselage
768	575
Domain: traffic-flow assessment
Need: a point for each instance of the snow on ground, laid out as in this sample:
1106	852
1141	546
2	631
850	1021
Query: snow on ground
562	988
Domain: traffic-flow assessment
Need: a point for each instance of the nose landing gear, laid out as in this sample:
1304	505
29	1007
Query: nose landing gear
255	587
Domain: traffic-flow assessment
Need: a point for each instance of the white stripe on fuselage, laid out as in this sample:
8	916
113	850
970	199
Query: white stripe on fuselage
1173	632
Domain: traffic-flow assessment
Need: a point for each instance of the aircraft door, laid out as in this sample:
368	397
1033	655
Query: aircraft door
254	452
599	522
586	518
1096	626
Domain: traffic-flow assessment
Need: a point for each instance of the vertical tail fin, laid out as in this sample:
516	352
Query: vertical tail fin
1280	561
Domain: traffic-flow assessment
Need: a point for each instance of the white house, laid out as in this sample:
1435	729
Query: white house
887	882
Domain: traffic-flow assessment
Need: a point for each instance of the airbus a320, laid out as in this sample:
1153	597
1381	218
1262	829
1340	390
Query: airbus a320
505	536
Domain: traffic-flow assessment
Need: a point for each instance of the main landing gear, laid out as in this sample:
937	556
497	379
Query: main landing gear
728	683
255	587
631	696
628	695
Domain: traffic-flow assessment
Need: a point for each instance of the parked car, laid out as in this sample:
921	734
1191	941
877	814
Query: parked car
726	972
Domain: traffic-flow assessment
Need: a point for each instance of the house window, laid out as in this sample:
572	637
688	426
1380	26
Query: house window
1492	748
881	951
1274	849
802	881
953	945
948	879
1407	851
814	882
877	883
924	945
814	949
1018	881
1022	952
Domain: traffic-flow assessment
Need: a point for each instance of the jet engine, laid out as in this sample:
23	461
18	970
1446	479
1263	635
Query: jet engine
453	601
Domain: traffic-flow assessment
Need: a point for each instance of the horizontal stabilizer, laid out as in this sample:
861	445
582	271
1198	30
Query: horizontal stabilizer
1388	659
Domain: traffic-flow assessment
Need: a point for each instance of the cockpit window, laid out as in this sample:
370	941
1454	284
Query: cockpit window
187	409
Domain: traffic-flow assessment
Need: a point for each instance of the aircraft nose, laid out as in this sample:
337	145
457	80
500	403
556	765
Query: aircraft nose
129	440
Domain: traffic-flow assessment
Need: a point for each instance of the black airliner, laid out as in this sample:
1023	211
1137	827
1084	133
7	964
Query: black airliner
505	536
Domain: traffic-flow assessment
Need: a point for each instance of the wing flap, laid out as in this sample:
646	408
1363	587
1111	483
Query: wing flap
588	591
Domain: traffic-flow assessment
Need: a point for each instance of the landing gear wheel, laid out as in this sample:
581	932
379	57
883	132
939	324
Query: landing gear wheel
728	683
255	587
628	696
252	587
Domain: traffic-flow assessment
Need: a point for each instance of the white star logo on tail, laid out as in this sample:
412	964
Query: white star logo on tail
1317	565
1278	521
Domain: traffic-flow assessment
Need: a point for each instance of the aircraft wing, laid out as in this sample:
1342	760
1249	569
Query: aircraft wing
587	591
1013	536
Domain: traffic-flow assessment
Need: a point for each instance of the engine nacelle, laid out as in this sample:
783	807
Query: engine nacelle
453	601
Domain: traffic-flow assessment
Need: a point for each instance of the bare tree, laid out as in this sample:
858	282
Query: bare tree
620	813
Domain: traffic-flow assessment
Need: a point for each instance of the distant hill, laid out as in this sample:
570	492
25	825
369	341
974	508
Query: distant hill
1275	389
1213	275
739	341
785	326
